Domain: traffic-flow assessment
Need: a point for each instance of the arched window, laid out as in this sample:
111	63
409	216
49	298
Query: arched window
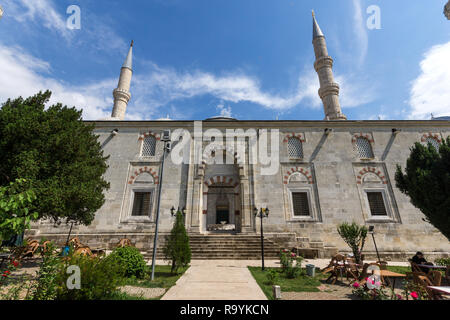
149	147
295	148
364	148
433	142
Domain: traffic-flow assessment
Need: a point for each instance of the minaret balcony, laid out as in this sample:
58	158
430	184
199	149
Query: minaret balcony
122	94
331	88
323	62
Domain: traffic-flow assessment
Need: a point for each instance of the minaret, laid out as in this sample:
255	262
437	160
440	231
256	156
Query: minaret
122	92
329	90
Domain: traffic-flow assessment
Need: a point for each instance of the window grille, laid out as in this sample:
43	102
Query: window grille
433	142
295	148
364	148
149	147
300	204
142	204
376	203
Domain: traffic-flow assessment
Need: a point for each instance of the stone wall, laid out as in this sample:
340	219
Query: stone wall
331	172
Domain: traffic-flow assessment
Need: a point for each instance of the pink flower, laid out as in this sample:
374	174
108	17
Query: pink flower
414	295
399	297
378	284
356	285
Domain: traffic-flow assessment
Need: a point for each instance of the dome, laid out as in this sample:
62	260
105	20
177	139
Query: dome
221	118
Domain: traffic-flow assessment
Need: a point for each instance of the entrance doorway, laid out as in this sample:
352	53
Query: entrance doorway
222	215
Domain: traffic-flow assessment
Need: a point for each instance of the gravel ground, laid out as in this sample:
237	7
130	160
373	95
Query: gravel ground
147	293
311	296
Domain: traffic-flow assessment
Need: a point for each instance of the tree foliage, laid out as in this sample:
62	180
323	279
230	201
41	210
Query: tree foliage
355	236
177	248
57	153
427	182
15	213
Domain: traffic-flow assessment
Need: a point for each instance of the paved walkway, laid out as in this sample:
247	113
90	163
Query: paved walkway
229	280
216	280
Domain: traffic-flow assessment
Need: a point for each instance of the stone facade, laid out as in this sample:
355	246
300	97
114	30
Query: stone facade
331	172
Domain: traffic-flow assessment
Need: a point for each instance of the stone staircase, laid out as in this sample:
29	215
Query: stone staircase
228	247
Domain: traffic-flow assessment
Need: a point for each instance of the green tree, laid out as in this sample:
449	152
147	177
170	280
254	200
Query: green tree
15	214
57	153
355	236
177	248
427	183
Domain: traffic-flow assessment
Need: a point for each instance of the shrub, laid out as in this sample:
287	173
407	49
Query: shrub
442	262
45	287
100	278
272	276
132	261
355	236
177	248
291	264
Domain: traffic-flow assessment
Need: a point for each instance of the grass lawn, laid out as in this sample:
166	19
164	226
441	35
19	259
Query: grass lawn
402	270
163	278
301	284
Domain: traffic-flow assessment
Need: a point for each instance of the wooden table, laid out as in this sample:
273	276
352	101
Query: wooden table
441	290
391	274
432	267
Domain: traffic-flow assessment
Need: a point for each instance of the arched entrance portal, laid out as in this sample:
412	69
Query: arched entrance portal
223	204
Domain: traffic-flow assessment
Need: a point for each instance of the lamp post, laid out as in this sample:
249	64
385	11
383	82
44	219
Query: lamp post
371	231
173	213
263	213
166	140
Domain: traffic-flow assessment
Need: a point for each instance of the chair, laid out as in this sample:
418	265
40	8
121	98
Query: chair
365	274
337	267
45	247
84	251
30	249
124	243
383	265
424	282
435	277
330	266
352	270
75	242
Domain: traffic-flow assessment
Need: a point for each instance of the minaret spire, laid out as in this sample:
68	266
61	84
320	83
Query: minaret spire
329	90
122	93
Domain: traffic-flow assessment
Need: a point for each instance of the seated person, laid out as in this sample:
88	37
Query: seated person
419	259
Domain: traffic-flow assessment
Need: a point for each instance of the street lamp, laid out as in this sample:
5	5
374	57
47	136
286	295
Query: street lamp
167	147
263	213
371	231
173	213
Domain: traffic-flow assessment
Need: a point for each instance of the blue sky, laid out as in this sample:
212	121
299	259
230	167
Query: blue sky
251	59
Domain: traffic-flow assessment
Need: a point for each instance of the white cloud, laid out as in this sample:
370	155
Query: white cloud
224	111
160	86
22	75
360	31
430	91
96	34
33	10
